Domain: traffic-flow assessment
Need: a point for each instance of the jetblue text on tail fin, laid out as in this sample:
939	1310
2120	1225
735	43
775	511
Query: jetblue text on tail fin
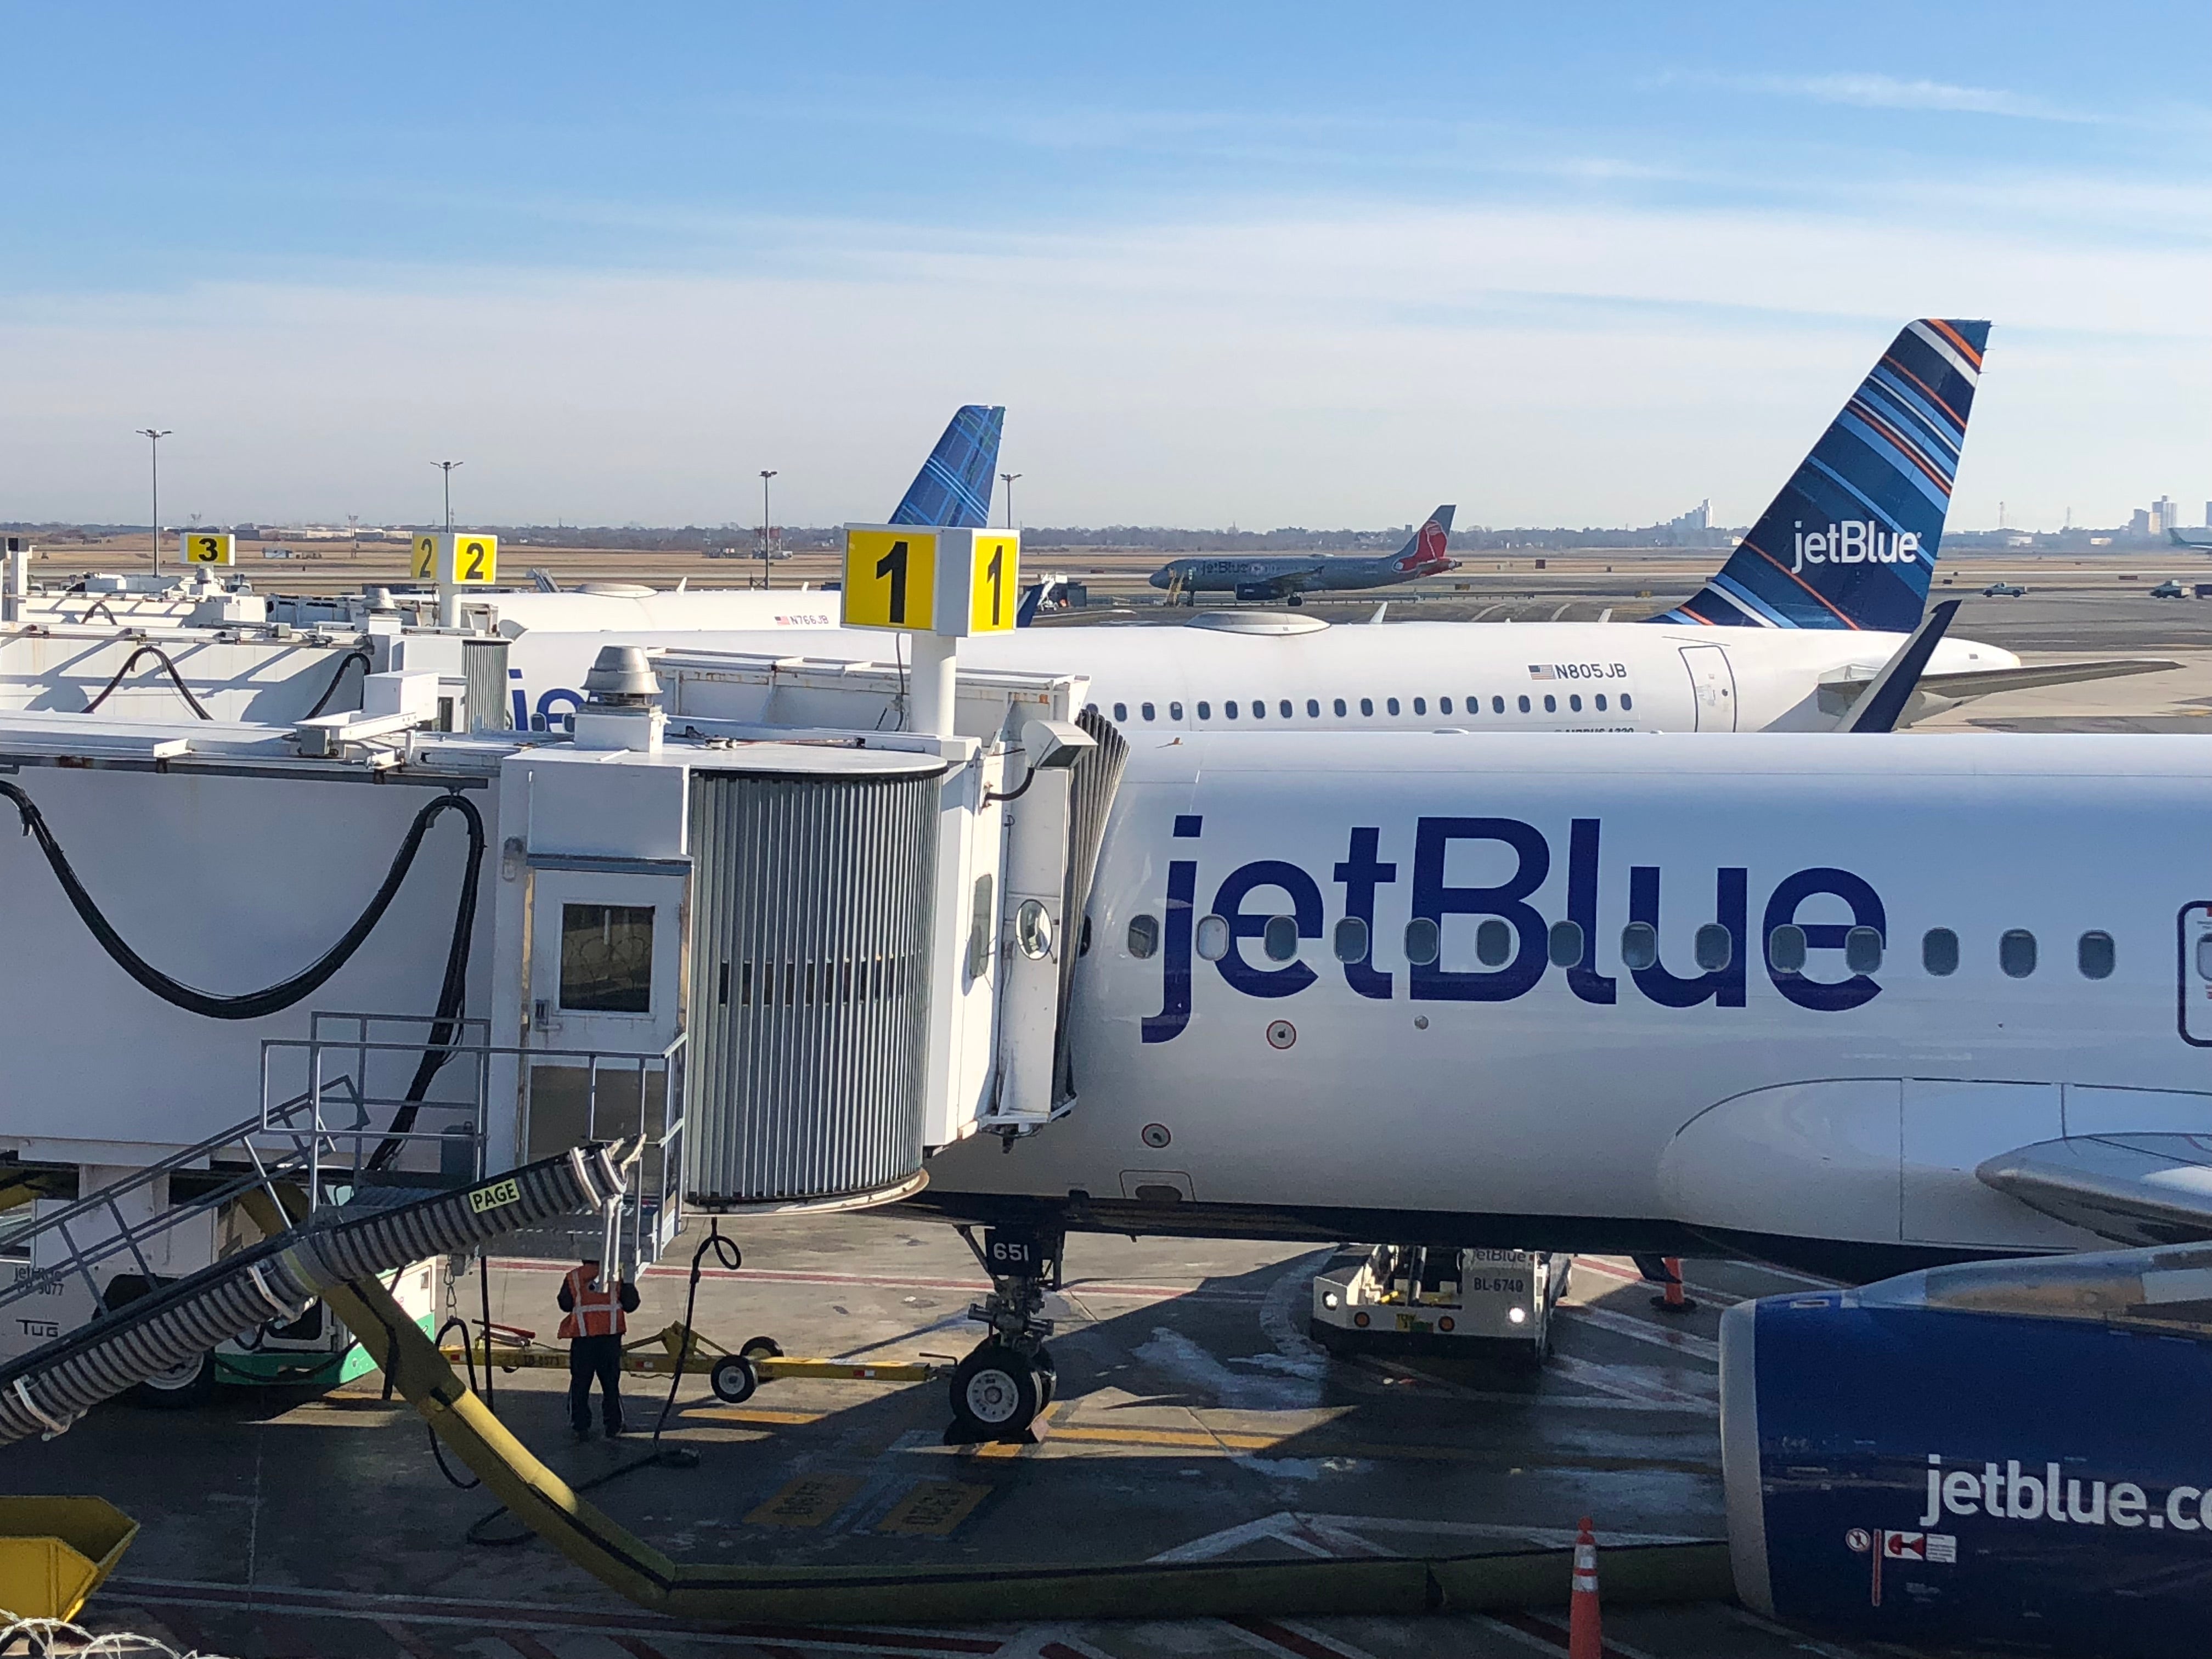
954	485
1850	541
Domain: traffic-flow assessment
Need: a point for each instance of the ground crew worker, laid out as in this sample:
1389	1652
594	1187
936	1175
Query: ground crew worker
594	1324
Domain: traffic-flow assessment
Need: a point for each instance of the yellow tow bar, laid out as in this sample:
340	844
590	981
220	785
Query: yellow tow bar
657	1355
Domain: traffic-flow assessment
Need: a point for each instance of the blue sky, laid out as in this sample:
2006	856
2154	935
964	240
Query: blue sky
1294	263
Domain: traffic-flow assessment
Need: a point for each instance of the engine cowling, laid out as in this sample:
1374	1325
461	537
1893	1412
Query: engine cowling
2012	1453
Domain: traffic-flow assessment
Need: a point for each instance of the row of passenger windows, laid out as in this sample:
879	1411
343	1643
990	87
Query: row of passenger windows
1713	946
1287	709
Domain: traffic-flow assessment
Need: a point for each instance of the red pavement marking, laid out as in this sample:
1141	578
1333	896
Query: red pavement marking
1058	1651
1289	1640
527	1646
410	1641
635	1648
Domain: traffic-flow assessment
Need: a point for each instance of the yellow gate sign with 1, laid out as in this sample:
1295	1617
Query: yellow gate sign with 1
945	580
890	577
207	547
459	559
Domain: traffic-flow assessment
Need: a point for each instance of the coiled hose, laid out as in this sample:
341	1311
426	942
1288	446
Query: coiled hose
255	1005
47	1390
357	654
175	678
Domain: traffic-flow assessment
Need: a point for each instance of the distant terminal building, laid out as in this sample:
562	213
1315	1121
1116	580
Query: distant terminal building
2139	522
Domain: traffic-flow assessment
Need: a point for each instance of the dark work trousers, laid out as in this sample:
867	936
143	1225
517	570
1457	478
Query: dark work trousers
590	1357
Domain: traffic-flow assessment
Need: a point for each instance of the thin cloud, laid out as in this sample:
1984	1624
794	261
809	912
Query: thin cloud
1889	91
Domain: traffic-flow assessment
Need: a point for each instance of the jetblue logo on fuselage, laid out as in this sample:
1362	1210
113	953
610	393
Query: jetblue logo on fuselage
1528	944
1855	540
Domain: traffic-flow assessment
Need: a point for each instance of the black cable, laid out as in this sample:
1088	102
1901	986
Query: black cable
468	1359
679	1457
97	605
357	654
484	1286
256	1005
132	661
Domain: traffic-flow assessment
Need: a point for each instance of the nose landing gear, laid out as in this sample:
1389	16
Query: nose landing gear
1000	1389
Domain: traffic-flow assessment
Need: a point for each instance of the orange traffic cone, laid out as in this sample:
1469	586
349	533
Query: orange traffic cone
1584	1638
1672	1300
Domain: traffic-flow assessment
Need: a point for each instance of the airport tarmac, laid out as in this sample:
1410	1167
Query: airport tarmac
1195	1421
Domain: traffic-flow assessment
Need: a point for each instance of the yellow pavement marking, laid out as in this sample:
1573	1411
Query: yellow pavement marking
932	1509
1201	1439
741	1414
806	1502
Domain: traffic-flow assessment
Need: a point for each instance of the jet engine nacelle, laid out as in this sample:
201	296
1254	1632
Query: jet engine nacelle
2001	1455
1260	591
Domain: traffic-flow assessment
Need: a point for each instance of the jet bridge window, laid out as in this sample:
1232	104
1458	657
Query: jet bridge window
2016	953
1939	952
2095	956
607	959
1143	936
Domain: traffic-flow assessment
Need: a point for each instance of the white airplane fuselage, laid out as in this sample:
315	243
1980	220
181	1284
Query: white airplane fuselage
1495	1096
1402	676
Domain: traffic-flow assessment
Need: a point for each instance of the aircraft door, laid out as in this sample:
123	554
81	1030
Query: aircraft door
1712	686
2195	970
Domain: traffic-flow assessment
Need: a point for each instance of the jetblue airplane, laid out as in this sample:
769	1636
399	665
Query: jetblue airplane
1786	635
1287	579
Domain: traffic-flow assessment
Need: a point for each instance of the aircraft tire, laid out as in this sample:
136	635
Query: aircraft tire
996	1393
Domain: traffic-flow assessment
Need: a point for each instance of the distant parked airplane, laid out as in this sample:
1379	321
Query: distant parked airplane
1287	578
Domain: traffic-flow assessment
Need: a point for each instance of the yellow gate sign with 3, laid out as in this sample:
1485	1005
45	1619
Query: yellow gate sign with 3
890	577
206	547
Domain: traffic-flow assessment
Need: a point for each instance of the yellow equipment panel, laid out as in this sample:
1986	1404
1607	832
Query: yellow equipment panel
206	547
890	579
460	559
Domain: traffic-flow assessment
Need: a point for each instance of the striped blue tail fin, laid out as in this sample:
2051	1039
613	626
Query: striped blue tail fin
1850	541
954	485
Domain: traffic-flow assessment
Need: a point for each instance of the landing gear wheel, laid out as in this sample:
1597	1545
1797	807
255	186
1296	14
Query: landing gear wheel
759	1348
733	1379
192	1383
1297	598
1048	1378
996	1393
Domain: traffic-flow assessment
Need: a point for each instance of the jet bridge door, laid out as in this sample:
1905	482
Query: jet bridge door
1712	686
603	998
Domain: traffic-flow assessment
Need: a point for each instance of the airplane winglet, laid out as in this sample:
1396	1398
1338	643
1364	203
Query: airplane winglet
1884	701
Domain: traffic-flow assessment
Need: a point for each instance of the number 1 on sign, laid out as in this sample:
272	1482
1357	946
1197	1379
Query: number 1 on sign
893	565
996	582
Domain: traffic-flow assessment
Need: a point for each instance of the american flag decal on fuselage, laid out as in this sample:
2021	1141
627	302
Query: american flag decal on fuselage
1851	542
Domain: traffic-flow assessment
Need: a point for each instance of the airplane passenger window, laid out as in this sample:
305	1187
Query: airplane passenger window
1524	704
1143	936
1551	703
1280	938
1564	944
1939	952
1121	711
1284	709
1862	949
2095	955
1575	705
2016	953
1785	949
1313	709
1339	709
1639	945
1420	705
1351	940
1493	943
1601	703
1213	938
1713	946
1230	709
1628	702
1174	711
1090	708
1424	941
1205	711
1259	709
1367	705
1146	711
1497	705
1390	704
1444	705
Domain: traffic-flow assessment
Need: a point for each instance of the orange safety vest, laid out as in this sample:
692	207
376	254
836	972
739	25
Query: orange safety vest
598	1310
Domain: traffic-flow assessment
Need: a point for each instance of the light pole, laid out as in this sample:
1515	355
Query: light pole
765	476
446	467
148	432
1007	479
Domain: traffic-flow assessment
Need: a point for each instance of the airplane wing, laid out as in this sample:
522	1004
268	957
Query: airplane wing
2134	1189
1840	694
